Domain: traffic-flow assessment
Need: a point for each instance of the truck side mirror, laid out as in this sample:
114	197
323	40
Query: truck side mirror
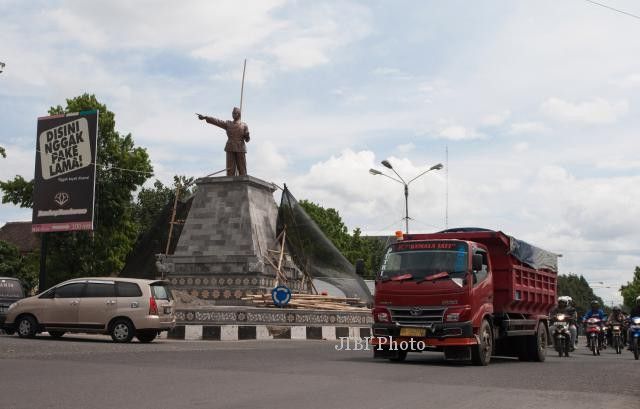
476	262
360	267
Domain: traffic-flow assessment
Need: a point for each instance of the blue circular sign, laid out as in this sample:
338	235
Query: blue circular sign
281	295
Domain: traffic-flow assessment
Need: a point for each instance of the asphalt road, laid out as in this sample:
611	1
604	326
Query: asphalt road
91	372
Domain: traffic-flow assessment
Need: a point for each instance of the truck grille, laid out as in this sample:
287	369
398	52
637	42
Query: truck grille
416	316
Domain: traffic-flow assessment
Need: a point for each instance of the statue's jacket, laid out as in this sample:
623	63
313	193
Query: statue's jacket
237	134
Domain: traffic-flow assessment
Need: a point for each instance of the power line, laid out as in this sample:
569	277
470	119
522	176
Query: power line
614	9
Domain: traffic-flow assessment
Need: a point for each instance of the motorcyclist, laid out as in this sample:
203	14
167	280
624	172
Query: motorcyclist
635	312
616	318
595	311
564	307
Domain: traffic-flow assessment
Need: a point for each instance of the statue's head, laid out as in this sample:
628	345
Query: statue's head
235	113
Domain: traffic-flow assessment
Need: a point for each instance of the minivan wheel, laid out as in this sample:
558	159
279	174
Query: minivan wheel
146	336
122	331
26	327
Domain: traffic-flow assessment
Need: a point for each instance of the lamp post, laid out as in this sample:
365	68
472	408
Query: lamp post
387	164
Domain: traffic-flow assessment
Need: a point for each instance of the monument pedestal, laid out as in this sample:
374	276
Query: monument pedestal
227	241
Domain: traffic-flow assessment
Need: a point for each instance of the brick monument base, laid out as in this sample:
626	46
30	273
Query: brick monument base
226	243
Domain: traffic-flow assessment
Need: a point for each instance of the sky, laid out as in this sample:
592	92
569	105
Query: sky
532	106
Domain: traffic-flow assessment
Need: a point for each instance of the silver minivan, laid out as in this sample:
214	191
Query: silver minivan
120	307
10	291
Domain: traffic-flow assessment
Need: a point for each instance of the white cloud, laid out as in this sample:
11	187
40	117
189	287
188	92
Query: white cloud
405	149
392	73
519	128
594	111
459	133
495	119
619	163
521	147
19	161
628	81
373	203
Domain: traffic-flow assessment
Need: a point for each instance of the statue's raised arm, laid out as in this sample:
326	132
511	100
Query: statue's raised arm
237	135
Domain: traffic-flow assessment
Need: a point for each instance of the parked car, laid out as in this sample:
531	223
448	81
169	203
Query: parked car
120	307
10	291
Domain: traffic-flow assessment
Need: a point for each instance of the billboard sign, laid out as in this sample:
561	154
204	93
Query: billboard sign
65	174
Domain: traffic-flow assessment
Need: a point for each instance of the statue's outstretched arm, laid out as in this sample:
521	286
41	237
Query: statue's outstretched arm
213	121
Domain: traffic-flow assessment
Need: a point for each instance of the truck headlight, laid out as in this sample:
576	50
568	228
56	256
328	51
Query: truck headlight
381	315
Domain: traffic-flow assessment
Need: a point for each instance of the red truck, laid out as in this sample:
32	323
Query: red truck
470	293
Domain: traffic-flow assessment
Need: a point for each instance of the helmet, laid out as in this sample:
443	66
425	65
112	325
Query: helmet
564	300
616	308
595	304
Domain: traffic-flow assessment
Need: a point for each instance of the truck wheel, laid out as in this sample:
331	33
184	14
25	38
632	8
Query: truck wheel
481	353
398	356
537	344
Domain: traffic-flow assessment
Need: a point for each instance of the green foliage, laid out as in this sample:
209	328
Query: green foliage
3	153
17	191
151	201
579	290
122	168
354	246
631	290
13	264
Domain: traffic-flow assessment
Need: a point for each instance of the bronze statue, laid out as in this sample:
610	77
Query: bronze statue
237	134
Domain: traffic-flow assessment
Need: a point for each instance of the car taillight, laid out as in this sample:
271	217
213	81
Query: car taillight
153	307
381	315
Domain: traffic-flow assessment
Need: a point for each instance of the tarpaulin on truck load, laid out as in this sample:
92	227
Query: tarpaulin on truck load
529	254
532	255
313	252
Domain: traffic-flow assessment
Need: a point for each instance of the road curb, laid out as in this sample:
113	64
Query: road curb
263	332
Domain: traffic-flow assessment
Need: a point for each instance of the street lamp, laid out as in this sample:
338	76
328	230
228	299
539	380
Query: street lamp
387	164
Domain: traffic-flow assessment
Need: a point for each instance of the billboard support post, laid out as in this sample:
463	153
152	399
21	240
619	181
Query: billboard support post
43	263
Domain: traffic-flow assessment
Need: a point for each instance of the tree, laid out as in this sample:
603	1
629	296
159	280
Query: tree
121	169
579	290
353	247
151	201
23	267
631	290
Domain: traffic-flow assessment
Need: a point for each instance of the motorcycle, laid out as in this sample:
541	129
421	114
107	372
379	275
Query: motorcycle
561	334
616	337
604	336
634	340
594	335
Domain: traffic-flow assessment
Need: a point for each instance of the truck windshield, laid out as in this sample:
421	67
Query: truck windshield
425	262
